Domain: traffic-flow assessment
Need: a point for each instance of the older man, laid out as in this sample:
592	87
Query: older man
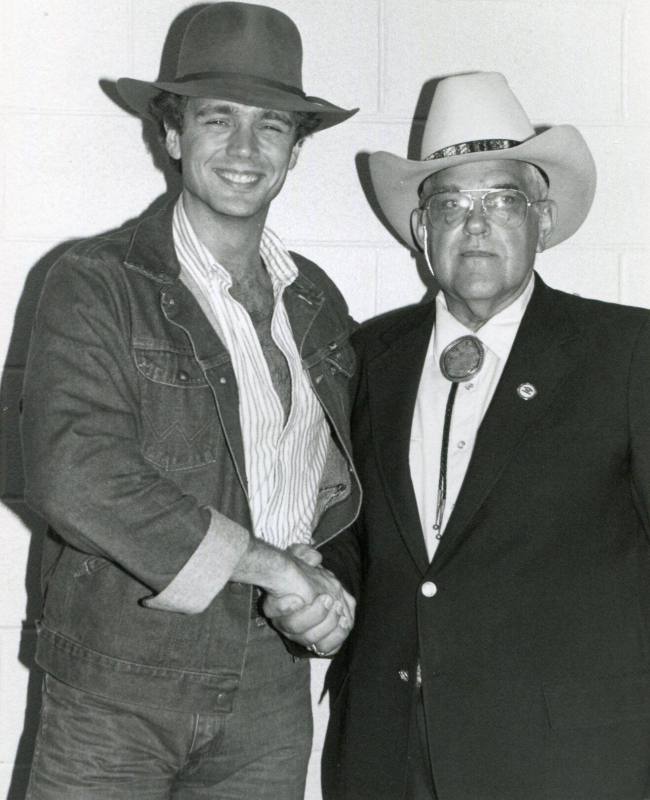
502	435
185	435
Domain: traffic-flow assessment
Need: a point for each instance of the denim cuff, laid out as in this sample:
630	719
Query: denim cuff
207	571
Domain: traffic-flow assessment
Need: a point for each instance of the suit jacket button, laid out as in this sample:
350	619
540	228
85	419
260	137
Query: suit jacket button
404	675
428	589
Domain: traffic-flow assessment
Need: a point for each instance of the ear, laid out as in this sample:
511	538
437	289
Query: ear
173	142
418	226
293	158
547	220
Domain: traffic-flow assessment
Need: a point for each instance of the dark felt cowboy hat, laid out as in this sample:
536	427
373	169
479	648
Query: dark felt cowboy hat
476	117
243	53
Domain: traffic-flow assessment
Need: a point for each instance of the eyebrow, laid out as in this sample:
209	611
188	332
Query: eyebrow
215	108
280	116
226	108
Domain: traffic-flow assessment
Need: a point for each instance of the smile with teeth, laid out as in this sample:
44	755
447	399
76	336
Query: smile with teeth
241	178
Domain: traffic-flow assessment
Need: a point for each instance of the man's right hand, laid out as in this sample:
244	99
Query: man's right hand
319	626
305	601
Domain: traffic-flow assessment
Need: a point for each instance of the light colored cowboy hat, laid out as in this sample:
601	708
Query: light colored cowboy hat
476	117
240	52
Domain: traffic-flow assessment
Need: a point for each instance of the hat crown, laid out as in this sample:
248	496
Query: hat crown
474	107
242	39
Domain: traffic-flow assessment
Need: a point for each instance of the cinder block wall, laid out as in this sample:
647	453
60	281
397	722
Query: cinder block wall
74	164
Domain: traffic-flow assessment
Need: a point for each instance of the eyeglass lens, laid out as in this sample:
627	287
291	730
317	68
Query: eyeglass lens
504	207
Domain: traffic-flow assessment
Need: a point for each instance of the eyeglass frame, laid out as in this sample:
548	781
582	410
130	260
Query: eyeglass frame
468	211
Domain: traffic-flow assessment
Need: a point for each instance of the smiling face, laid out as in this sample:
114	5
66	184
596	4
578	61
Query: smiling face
480	266
234	158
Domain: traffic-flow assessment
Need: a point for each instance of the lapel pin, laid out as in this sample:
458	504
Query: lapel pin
526	391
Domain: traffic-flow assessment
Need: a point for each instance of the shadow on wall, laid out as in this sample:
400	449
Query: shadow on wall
11	469
414	152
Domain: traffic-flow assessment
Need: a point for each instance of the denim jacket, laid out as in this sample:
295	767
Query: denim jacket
130	432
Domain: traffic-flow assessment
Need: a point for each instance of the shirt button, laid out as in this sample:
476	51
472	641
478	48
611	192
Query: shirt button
222	380
469	387
461	444
183	376
428	589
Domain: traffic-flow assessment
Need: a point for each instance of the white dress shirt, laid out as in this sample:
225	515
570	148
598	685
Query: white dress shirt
472	400
284	460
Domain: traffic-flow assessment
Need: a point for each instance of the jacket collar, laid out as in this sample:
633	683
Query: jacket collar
151	249
538	363
393	380
538	358
151	252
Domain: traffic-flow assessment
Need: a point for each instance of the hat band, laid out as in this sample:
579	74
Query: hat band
238	76
477	146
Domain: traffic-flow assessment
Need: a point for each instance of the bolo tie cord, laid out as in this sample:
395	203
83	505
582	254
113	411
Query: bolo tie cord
460	361
442	477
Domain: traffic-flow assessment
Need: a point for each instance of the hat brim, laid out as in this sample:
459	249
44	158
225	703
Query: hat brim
138	95
561	152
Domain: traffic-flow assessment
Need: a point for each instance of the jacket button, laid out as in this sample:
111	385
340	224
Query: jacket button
183	376
428	589
404	675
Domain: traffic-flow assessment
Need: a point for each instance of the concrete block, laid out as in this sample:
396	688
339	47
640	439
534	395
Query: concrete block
635	277
325	197
89	174
588	272
400	279
637	61
561	58
353	270
312	787
19	695
16	546
56	53
621	208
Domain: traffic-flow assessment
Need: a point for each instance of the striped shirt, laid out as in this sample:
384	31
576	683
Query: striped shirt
283	461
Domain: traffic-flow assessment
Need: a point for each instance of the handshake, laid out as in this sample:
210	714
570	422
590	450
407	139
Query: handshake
312	608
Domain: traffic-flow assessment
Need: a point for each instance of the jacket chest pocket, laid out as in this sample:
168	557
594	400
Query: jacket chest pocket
180	426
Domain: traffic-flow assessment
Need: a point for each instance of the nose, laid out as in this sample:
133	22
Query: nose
476	222
242	141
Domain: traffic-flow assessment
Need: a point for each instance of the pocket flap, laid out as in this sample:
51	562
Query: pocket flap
599	700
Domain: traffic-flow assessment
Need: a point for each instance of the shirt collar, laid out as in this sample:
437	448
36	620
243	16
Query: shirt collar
497	334
195	257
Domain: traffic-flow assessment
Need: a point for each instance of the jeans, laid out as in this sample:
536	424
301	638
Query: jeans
91	748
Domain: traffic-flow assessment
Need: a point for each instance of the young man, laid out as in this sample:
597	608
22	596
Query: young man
186	436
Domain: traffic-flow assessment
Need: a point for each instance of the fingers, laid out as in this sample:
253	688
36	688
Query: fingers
321	614
349	607
331	643
282	605
306	553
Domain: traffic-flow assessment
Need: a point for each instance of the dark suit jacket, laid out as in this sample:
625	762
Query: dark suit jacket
535	649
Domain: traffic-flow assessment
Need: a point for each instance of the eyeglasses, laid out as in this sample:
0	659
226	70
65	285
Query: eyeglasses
505	207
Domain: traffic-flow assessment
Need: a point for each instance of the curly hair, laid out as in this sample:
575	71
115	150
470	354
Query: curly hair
168	110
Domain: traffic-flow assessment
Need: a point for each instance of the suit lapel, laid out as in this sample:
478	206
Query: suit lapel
393	380
538	359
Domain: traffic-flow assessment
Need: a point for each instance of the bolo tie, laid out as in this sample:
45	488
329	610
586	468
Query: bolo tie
460	360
